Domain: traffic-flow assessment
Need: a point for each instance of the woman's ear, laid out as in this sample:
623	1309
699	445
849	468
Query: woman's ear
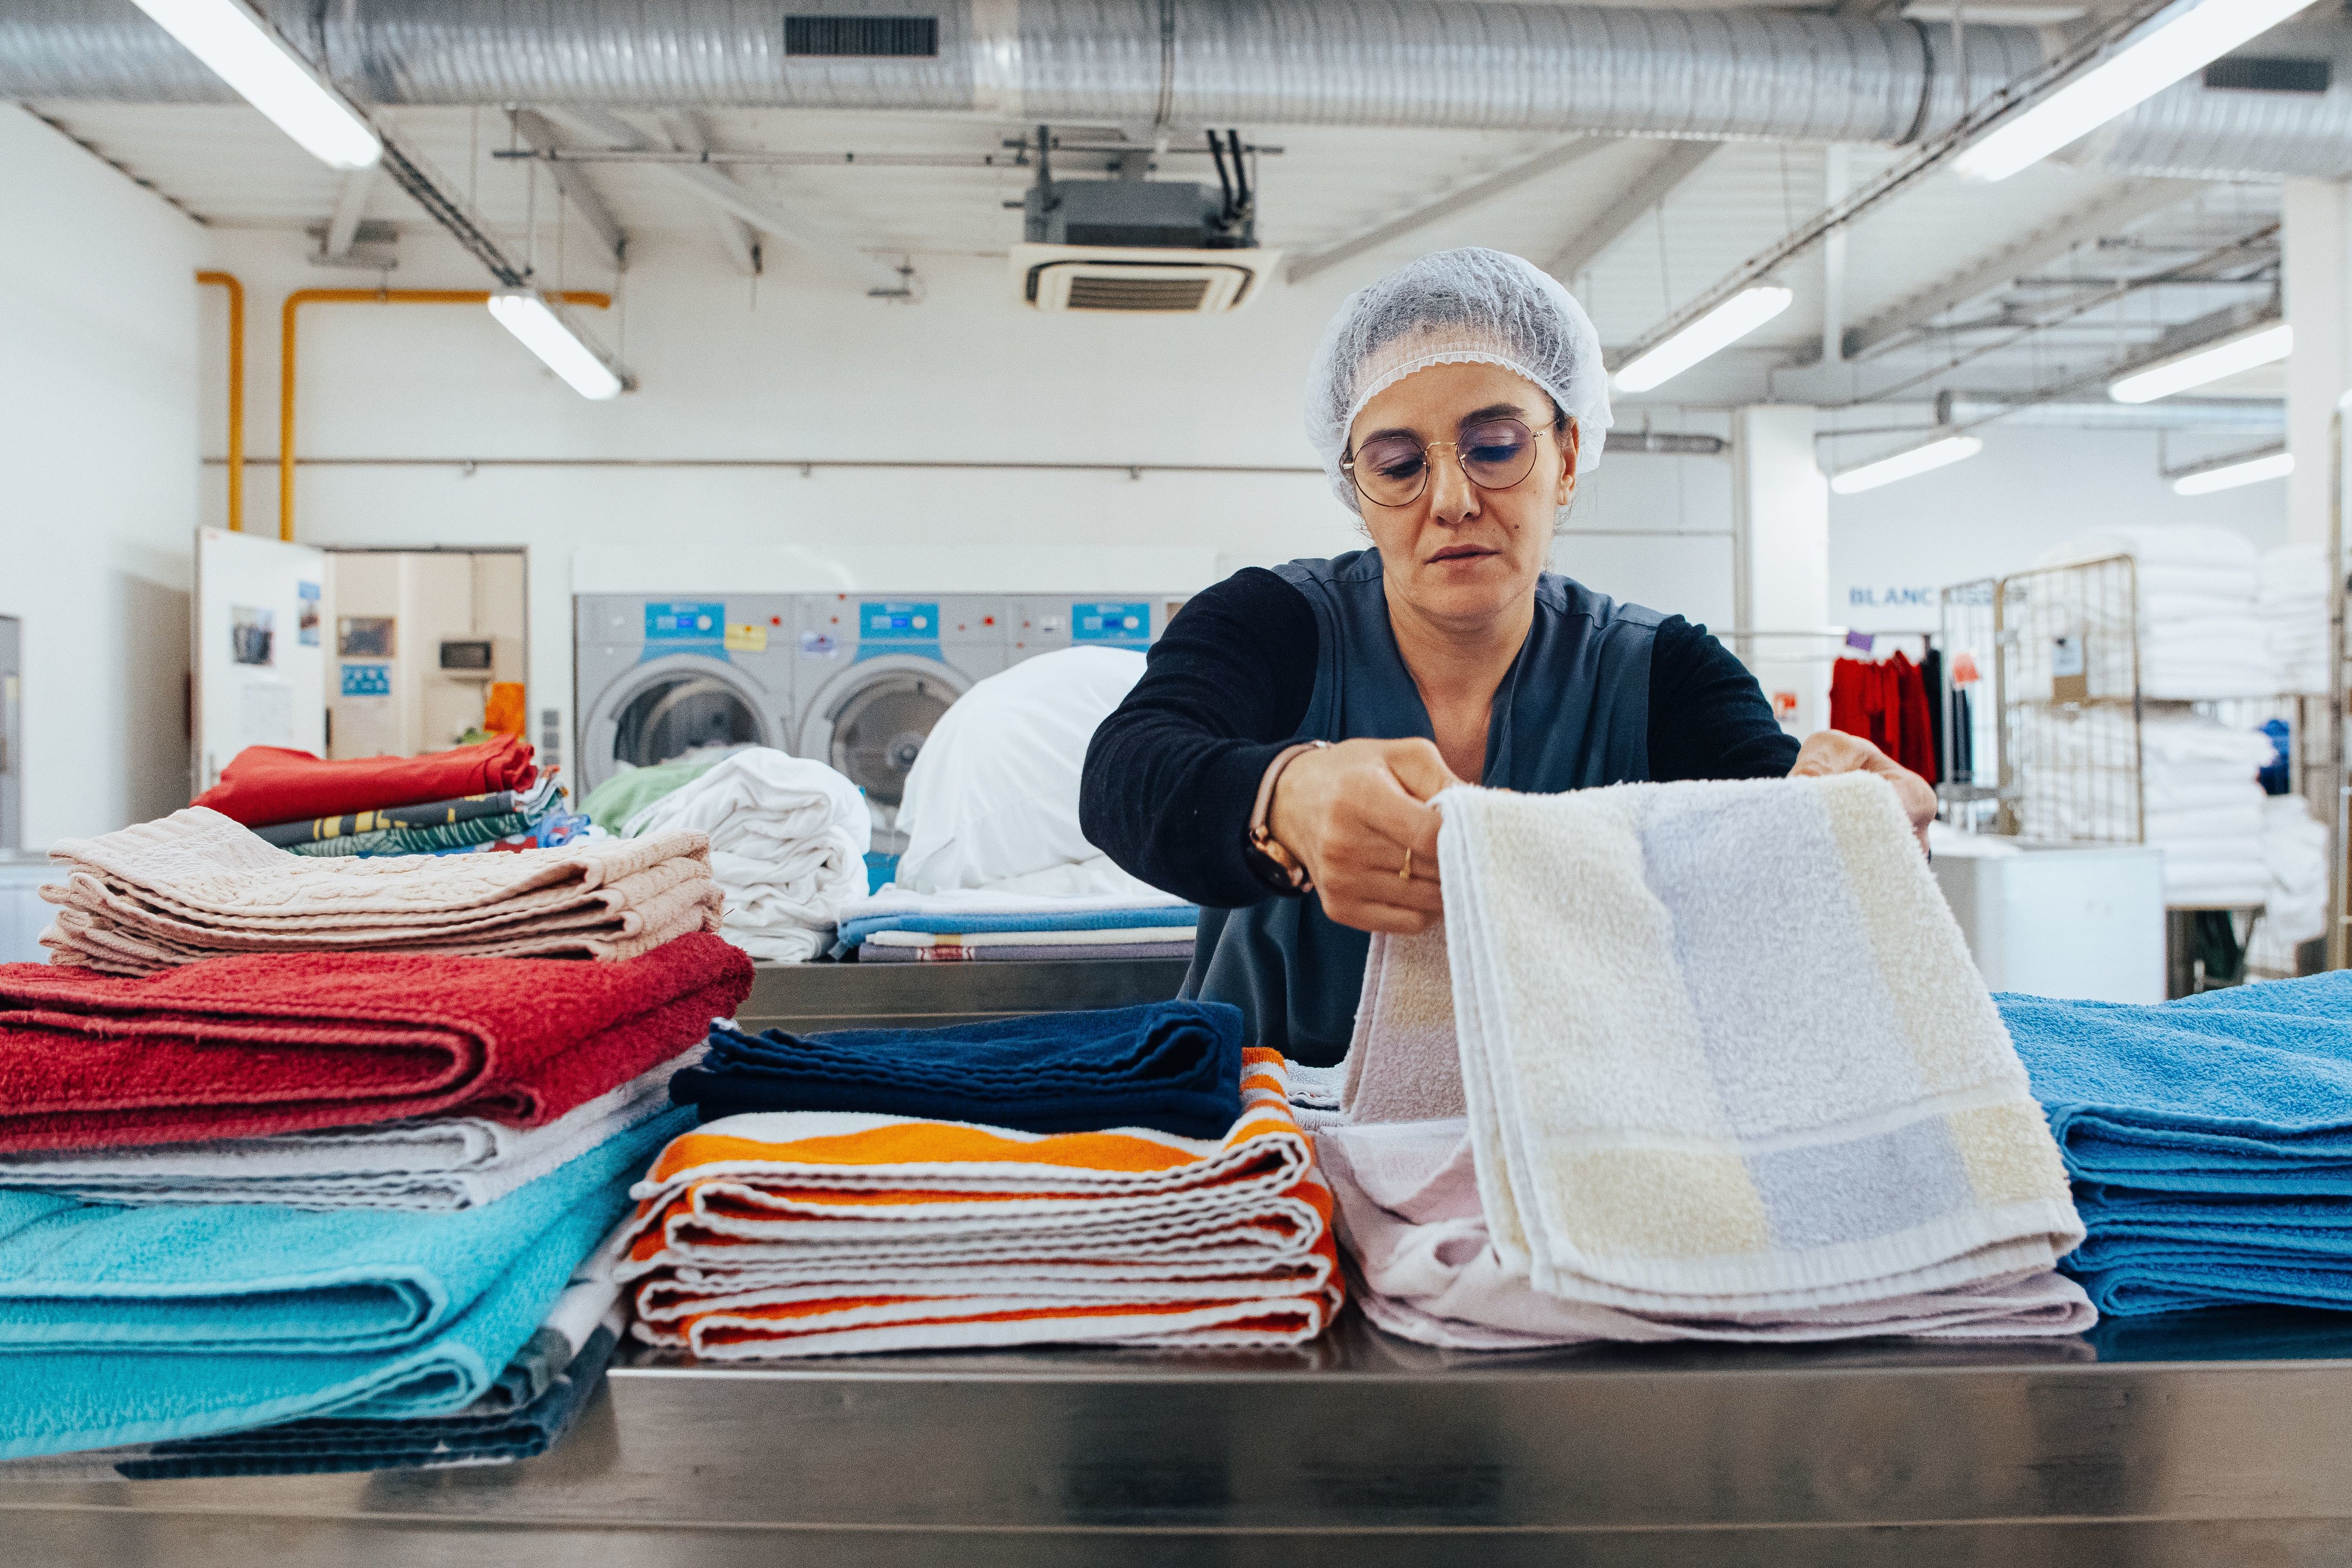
1568	444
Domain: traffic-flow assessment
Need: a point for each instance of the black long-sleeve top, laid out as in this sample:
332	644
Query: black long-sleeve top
1171	776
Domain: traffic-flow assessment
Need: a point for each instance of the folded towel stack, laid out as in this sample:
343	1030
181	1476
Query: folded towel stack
2201	635
1174	1066
895	926
822	1233
788	840
151	1325
2202	803
2294	849
1684	1121
355	1183
2210	1141
195	885
2293	599
491	795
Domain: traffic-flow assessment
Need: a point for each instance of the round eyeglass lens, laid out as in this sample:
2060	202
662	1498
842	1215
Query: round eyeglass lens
1393	469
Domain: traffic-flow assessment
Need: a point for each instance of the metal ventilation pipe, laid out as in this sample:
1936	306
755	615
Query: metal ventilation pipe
1457	64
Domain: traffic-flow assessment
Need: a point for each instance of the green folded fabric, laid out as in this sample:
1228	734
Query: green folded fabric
419	840
621	797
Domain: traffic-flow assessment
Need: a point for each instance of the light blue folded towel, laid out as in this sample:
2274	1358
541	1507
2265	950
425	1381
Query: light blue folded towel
1183	916
184	1321
2244	1091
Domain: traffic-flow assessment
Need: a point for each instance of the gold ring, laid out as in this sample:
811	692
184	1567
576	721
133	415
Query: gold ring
1404	873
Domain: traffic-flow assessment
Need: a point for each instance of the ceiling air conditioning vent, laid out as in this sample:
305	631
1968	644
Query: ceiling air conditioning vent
862	37
1154	281
2270	73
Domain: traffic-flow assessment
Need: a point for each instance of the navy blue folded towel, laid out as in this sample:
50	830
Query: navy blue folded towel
1175	1067
2210	1141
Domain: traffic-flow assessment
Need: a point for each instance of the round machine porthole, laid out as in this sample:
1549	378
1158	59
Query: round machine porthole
672	717
881	728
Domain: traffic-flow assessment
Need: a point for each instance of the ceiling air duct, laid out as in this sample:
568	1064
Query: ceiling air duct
1137	246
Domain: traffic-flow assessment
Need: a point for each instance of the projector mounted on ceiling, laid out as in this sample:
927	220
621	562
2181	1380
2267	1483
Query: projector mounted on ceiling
1139	245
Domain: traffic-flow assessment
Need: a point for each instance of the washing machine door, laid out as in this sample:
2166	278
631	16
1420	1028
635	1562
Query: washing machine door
666	707
869	722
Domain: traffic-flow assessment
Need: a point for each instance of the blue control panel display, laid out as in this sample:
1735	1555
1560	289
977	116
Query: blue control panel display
367	680
1125	624
895	621
686	623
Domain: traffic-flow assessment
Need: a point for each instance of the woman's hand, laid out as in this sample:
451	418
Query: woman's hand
1352	812
1827	752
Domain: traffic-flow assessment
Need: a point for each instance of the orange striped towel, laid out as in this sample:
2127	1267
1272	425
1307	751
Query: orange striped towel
830	1233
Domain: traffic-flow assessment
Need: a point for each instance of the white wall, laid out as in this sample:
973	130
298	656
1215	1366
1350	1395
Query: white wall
1997	512
814	370
98	505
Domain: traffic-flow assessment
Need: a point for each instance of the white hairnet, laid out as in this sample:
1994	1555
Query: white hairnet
1467	306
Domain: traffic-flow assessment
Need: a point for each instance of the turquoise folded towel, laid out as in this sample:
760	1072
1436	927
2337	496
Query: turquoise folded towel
147	1325
2210	1141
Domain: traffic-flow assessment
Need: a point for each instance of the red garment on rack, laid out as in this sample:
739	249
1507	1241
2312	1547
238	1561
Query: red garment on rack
1885	704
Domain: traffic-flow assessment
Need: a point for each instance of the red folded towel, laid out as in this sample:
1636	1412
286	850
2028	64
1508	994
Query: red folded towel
267	785
238	1047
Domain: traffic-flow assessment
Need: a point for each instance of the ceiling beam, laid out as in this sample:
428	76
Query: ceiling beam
573	181
2120	210
690	132
1668	167
1508	178
878	276
350	205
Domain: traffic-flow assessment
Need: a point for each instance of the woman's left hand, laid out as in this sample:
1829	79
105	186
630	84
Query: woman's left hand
1827	752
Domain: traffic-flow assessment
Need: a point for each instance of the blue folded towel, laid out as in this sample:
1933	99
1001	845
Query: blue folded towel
856	931
2210	1141
193	1321
473	1436
2243	1091
1173	1066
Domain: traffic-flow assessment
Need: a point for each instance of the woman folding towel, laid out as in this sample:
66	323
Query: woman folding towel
1276	761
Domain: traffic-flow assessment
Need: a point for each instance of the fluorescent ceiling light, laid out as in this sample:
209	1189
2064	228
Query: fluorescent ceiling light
1903	465
1718	329
244	51
2209	362
2229	476
2196	33
1983	15
526	313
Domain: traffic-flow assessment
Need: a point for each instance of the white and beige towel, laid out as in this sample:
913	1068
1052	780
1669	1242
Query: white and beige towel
1728	1072
195	885
431	1164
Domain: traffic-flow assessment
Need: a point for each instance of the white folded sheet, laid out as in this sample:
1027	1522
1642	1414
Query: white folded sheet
788	841
433	1164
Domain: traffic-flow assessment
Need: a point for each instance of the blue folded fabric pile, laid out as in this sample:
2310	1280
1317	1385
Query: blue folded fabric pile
896	927
147	1326
1175	1067
2210	1141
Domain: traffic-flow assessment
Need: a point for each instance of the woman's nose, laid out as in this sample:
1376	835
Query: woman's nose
1452	497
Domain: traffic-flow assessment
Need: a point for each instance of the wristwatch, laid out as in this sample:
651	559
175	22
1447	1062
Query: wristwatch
1287	866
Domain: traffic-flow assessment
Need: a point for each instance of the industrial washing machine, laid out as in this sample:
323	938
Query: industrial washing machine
855	681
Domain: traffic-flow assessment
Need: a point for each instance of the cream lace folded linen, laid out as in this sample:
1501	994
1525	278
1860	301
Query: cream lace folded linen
1728	1072
197	885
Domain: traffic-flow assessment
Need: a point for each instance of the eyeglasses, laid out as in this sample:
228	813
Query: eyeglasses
1393	469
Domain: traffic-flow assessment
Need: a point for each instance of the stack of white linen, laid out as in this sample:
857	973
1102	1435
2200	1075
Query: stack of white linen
2202	803
2295	609
1649	1114
788	842
2294	848
2201	632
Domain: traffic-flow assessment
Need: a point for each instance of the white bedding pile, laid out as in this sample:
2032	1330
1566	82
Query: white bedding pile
788	842
2294	849
2201	635
2197	777
2293	599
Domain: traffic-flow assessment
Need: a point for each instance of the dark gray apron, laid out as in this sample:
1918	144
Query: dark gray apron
1572	713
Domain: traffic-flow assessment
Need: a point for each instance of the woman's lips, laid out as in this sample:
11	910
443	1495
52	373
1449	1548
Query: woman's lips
1461	552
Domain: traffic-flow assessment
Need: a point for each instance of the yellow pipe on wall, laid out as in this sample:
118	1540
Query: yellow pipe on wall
235	394
301	297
